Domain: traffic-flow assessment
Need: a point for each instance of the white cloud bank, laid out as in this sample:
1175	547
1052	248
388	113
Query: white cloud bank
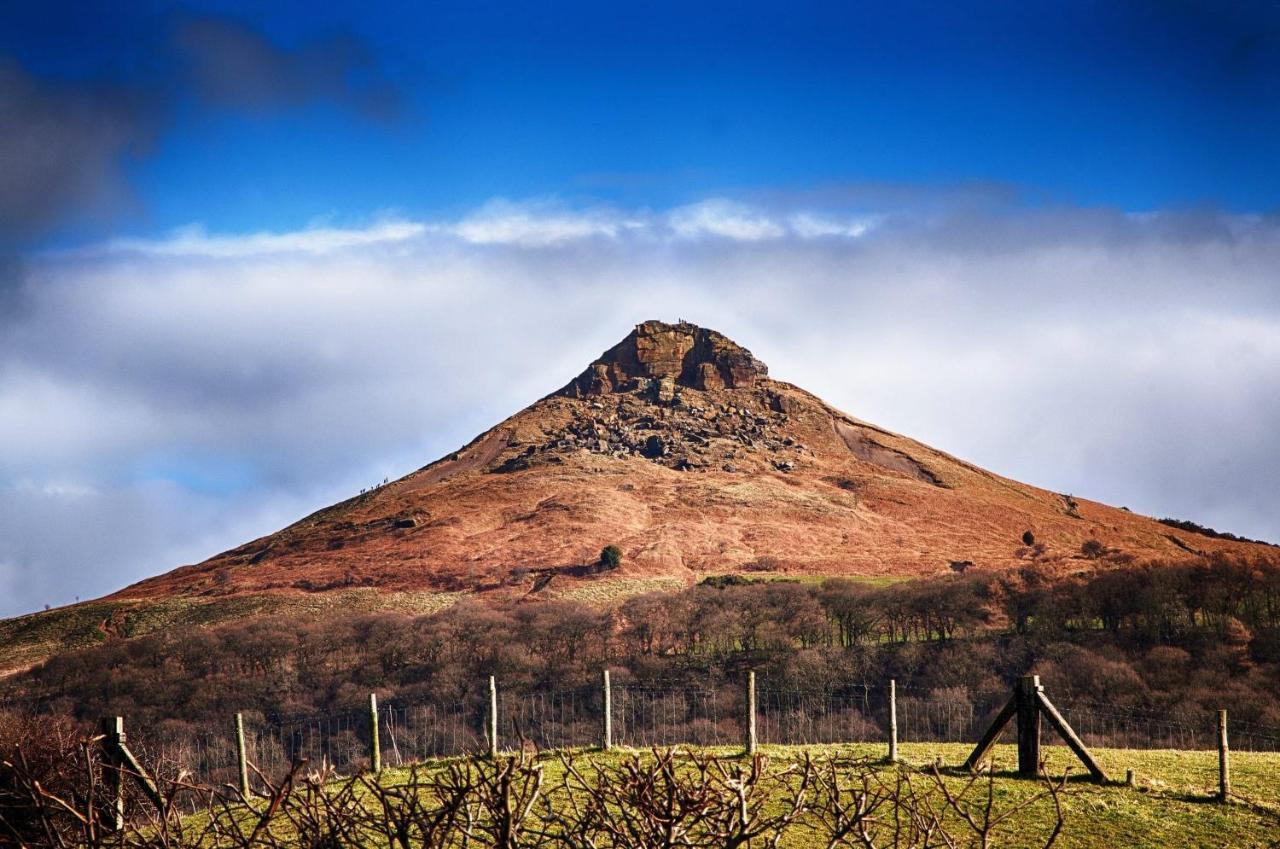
195	242
163	399
502	222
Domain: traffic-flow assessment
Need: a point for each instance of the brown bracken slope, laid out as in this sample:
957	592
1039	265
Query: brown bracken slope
676	446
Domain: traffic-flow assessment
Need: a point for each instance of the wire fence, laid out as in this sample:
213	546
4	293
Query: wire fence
643	717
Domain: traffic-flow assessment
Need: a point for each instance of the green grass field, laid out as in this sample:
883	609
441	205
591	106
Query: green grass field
1173	804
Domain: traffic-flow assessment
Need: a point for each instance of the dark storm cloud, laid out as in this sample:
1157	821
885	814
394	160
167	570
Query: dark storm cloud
62	147
66	144
232	65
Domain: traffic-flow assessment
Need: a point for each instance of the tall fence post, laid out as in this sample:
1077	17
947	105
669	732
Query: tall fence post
751	713
1028	708
375	745
118	762
242	757
113	737
1224	759
893	721
493	717
607	739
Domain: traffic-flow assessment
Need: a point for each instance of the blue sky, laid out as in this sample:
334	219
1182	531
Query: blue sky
431	108
256	256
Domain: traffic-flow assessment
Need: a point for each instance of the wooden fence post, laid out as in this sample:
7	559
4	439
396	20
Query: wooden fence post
113	736
375	744
119	761
493	717
751	713
1029	725
607	741
1224	759
242	758
893	721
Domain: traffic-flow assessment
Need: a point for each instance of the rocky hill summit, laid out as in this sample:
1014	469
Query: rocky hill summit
657	358
660	394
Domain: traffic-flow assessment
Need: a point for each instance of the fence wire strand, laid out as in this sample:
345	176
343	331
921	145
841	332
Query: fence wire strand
645	716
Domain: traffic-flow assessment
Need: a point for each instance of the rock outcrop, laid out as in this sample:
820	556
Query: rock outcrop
680	426
662	356
678	395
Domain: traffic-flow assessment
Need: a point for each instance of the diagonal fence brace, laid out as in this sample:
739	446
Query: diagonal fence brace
1028	705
